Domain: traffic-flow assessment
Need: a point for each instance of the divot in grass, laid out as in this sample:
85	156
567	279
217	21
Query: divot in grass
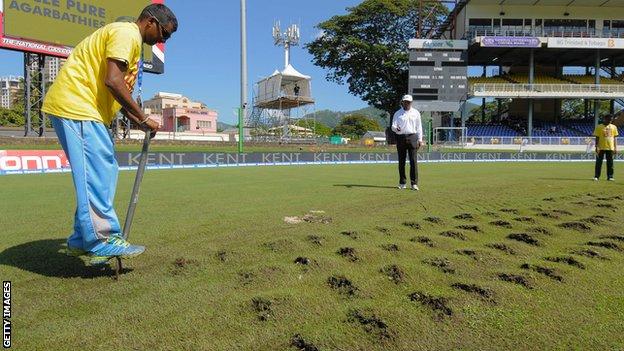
454	234
590	253
394	273
350	233
608	206
304	261
262	307
549	272
516	279
597	219
423	240
372	324
501	223
298	342
549	215
439	305
540	230
412	225
471	227
246	278
524	238
606	245
613	237
569	260
342	285
464	216
433	219
524	219
390	247
222	255
470	253
383	230
315	239
502	247
441	263
578	226
348	253
484	293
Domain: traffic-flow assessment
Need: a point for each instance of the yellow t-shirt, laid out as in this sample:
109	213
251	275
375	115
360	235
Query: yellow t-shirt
79	91
606	136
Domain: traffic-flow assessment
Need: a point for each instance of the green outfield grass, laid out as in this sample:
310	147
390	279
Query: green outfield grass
219	272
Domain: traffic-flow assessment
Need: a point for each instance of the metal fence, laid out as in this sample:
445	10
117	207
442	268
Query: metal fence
566	32
549	88
524	140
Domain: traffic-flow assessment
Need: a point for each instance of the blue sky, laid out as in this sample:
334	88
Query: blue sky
203	57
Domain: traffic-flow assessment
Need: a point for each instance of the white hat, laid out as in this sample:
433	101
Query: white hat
407	98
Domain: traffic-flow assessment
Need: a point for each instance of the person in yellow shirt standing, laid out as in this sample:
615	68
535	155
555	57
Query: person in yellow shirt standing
97	80
606	145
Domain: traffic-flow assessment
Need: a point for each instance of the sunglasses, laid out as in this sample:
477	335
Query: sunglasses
164	34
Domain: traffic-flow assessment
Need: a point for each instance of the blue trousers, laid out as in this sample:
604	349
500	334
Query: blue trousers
90	151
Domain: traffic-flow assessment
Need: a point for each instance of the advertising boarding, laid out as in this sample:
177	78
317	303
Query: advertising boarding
54	27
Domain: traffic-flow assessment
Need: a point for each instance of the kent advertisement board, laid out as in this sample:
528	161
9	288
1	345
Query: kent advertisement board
54	161
54	27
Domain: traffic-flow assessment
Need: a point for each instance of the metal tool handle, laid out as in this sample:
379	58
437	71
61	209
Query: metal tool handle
134	198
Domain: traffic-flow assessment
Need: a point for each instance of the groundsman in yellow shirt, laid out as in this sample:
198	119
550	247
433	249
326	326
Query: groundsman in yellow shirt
606	145
95	82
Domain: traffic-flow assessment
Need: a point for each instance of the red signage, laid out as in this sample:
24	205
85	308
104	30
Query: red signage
32	160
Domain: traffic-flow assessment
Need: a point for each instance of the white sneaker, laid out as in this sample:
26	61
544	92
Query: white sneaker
595	179
402	186
415	187
611	179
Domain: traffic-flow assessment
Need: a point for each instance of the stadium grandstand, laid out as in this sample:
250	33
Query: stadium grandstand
530	58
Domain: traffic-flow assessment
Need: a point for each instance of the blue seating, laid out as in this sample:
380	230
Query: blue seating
540	129
481	130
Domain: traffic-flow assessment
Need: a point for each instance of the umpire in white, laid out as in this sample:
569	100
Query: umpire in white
407	124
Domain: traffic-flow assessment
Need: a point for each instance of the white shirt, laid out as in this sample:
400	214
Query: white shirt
408	122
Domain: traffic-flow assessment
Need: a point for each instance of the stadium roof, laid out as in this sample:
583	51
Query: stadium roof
569	3
478	56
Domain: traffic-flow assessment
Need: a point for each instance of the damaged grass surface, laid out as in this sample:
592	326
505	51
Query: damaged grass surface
262	284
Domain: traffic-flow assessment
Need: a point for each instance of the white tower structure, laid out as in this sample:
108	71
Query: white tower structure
284	97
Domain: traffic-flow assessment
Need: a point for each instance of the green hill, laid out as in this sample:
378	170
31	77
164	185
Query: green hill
332	118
